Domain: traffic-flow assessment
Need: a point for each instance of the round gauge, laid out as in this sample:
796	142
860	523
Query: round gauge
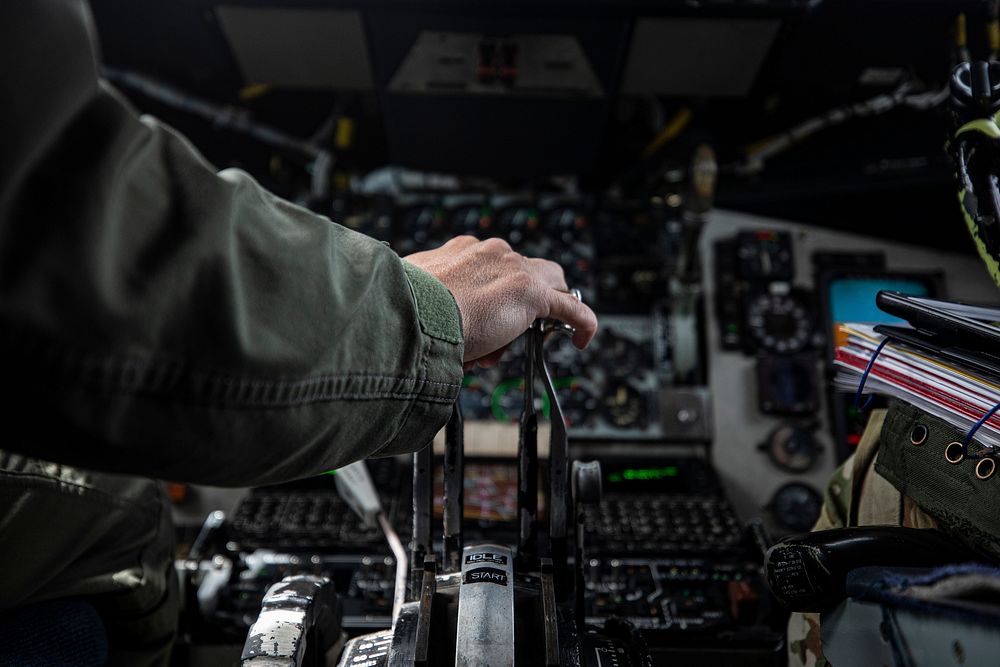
796	506
423	228
569	230
577	400
779	323
792	448
520	225
621	356
475	398
567	225
575	265
564	359
624	407
475	219
507	401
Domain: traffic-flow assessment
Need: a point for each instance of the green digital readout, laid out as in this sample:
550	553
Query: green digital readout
642	474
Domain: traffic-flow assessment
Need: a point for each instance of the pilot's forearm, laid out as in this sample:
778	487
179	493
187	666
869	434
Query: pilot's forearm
158	318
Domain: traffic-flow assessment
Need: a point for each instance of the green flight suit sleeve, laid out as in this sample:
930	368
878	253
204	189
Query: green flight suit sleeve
159	318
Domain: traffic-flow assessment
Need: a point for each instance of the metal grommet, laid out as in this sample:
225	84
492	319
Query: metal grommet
953	453
985	468
918	435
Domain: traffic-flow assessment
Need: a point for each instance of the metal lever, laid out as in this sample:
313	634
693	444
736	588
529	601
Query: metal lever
484	634
535	366
454	478
558	472
423	505
550	617
355	486
587	490
527	456
428	588
299	611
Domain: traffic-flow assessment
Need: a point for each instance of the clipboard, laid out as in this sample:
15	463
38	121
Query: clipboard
943	324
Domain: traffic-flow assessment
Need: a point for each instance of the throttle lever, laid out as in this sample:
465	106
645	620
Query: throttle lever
587	490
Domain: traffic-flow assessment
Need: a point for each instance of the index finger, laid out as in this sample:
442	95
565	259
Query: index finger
567	308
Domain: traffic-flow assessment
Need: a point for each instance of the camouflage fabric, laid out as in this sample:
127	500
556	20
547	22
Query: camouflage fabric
859	494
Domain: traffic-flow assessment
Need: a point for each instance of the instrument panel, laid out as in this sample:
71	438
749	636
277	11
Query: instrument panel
608	390
668	546
761	336
779	430
620	255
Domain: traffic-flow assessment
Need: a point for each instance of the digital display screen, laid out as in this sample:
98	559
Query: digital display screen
642	474
852	299
647	477
787	385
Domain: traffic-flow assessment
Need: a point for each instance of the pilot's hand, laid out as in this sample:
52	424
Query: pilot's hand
500	293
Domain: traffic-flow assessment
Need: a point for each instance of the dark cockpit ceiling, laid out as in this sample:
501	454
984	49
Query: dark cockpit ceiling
733	73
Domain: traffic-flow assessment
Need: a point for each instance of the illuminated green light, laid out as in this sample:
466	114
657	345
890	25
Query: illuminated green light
650	473
643	474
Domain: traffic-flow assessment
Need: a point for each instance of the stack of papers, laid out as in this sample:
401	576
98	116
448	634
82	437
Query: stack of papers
953	393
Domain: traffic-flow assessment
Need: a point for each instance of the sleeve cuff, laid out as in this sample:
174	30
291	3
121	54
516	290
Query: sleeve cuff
441	323
436	308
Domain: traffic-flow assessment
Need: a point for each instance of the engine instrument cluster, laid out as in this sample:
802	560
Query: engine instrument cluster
619	254
611	389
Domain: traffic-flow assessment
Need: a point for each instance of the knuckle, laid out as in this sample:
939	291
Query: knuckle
521	283
496	245
463	240
545	265
551	271
514	260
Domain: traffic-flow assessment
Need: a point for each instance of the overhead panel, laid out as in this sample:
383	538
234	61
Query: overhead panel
298	48
701	57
